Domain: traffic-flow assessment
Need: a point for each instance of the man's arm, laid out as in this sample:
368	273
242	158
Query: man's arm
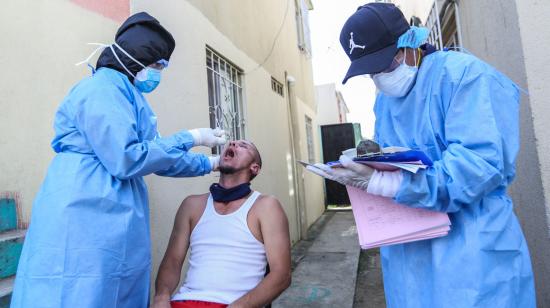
170	268
274	228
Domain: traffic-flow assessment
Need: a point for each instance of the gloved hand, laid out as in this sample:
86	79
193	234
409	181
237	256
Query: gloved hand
208	137
214	162
351	173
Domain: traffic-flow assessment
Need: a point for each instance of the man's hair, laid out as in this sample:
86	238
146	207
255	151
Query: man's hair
257	159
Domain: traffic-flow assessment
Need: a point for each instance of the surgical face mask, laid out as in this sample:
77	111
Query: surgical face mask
147	79
398	82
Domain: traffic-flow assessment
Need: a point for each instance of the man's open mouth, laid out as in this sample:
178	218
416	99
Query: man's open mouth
229	153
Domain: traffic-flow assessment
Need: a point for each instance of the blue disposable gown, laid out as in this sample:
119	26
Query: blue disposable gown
464	115
88	244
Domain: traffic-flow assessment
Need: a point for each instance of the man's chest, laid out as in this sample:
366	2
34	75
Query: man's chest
249	215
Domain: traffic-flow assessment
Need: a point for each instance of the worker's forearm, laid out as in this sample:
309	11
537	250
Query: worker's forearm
265	292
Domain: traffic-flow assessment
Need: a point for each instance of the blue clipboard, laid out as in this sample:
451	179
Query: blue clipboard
398	157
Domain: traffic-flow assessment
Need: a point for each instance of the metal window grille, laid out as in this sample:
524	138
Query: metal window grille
433	24
450	25
277	87
302	25
225	95
309	139
444	24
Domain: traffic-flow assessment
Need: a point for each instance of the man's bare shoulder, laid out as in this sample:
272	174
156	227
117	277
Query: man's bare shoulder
267	205
191	200
268	200
193	205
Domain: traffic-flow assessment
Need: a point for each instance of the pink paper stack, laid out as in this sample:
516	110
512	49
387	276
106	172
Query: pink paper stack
381	221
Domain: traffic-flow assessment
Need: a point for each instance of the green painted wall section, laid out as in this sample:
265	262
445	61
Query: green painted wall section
10	251
8	215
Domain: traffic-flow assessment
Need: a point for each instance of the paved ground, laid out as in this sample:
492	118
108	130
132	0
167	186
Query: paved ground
369	290
330	271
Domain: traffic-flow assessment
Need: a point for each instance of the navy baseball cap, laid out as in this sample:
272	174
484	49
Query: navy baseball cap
369	37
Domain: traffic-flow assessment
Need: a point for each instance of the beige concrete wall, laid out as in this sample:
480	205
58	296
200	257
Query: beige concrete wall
313	184
327	105
252	25
342	107
535	37
534	28
41	42
418	8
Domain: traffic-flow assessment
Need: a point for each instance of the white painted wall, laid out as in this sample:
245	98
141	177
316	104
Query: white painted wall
41	42
313	184
418	8
327	104
535	38
534	28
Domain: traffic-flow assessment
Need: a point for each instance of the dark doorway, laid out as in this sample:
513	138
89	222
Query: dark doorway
335	139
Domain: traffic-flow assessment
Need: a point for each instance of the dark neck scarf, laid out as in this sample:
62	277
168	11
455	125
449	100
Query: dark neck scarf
221	194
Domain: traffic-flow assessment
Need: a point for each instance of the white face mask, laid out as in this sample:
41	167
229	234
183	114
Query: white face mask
398	82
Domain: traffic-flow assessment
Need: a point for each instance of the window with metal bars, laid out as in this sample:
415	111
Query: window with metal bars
277	87
302	26
225	95
309	139
444	24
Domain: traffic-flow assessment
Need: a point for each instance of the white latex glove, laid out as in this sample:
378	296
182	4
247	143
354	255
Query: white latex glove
208	137
214	162
351	173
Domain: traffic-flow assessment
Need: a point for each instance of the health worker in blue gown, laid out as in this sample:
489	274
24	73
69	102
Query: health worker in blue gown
463	114
88	244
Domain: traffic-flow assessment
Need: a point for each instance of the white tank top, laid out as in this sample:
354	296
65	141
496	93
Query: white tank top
226	260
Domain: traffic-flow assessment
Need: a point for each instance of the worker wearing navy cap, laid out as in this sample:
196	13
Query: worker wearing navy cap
463	114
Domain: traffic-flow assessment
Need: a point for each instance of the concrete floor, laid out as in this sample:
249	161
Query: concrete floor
369	289
329	270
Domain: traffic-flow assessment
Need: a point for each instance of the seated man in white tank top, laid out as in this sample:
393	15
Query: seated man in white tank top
233	233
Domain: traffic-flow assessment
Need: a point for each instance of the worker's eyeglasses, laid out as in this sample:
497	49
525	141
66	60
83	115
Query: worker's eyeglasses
397	60
160	64
157	66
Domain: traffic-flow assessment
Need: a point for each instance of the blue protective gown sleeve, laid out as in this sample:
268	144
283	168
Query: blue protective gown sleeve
181	167
472	163
108	121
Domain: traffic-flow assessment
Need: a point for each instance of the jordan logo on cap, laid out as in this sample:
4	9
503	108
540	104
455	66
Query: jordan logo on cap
352	44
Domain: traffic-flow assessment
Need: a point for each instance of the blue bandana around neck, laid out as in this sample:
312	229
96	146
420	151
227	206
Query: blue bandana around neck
221	194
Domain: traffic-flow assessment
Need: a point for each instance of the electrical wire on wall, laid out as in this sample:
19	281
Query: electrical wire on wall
274	41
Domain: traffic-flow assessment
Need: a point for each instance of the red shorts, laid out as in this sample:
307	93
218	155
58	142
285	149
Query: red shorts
195	304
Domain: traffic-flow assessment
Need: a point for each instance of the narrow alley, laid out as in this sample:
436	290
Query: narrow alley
329	269
290	110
